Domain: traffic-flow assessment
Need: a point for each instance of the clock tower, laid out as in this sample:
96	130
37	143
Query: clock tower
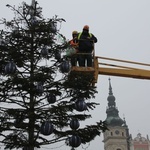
117	137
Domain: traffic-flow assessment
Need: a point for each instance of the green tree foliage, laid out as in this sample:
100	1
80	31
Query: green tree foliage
33	91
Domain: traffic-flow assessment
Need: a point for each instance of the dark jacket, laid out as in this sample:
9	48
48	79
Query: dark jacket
86	42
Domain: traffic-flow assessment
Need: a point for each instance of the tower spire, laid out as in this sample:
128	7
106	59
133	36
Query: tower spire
110	88
118	133
113	118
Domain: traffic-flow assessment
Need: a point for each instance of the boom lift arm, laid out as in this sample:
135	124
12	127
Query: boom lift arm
115	70
122	71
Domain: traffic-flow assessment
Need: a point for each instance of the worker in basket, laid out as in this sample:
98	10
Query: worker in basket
86	45
73	48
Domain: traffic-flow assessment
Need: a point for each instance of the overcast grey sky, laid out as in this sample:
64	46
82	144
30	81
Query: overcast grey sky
123	31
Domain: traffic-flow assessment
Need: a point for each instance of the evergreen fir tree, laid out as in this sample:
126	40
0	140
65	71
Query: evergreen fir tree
42	103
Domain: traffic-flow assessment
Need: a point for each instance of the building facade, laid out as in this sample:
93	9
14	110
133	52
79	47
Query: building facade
117	136
140	143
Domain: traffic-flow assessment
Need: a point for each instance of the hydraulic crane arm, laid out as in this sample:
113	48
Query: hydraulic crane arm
118	70
132	73
100	68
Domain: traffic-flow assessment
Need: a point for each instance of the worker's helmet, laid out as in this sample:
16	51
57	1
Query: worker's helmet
86	27
74	32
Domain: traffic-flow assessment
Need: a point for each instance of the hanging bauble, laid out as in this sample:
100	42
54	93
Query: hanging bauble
10	68
65	67
51	98
34	21
80	105
53	27
39	88
74	141
74	124
47	128
57	55
44	52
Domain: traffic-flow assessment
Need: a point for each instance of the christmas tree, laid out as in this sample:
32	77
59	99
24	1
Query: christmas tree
42	103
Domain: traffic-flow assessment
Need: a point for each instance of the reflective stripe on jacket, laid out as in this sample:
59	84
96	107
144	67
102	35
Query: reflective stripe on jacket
79	35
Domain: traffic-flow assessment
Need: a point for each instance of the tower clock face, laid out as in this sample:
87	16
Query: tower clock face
117	132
